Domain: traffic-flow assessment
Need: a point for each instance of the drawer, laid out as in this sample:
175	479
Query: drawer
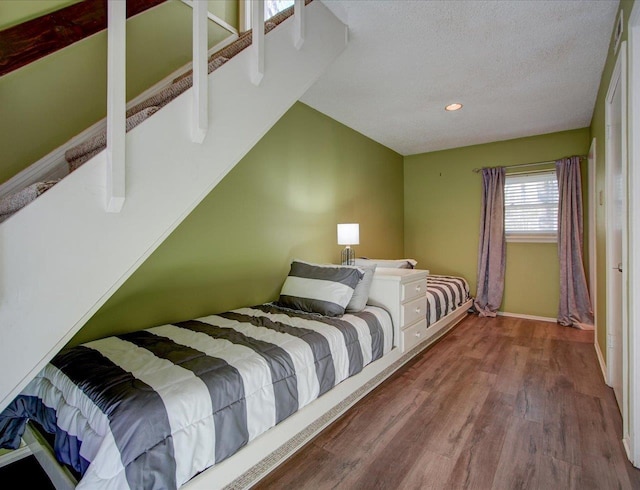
413	335
413	311
413	290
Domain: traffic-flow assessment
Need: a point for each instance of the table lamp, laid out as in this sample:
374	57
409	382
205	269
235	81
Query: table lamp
348	234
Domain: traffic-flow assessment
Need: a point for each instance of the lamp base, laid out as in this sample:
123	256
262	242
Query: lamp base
348	256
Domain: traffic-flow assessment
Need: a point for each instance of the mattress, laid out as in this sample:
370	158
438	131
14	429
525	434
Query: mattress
152	408
444	295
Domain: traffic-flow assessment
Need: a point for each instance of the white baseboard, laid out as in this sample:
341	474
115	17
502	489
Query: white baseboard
528	317
626	443
603	366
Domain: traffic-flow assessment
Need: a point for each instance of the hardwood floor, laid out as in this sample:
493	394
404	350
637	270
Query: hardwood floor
499	403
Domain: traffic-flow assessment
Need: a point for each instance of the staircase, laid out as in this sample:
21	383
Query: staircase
63	256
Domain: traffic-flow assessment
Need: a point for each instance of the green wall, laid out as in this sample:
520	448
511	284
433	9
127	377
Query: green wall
226	10
442	198
47	102
14	12
597	132
282	201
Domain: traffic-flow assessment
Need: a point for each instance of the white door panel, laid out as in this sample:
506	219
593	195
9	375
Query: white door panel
616	229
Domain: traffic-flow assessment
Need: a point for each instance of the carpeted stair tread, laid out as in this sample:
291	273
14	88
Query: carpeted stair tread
20	199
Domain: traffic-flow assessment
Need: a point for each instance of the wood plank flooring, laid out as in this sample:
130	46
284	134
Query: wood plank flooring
499	403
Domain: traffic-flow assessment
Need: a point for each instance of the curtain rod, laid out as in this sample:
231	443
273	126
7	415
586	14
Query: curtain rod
476	170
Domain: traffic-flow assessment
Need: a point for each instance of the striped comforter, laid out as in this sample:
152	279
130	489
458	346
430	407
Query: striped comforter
152	408
444	294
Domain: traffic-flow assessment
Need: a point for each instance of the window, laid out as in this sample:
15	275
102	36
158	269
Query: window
531	207
272	7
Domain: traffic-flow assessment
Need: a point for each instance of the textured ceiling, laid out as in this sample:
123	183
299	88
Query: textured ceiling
520	67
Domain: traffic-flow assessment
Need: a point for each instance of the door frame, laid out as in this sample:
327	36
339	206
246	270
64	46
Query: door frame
591	217
618	76
633	434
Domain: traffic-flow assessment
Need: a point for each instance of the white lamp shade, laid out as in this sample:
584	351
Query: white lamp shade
349	234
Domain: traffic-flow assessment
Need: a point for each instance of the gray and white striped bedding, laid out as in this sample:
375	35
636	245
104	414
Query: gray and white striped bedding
324	289
152	408
444	294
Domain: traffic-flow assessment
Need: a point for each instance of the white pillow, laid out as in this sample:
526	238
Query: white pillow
361	292
394	264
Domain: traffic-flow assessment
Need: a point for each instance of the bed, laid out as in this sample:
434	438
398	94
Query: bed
155	407
448	297
445	294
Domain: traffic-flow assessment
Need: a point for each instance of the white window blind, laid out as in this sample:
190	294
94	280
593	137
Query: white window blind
531	206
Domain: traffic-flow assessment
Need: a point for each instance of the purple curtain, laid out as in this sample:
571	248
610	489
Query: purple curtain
575	305
492	248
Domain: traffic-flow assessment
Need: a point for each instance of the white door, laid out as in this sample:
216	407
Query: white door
631	434
616	202
616	230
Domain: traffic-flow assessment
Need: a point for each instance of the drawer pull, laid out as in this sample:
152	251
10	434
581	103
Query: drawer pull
417	334
418	309
418	288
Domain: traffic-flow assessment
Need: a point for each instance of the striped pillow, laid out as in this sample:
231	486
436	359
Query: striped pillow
323	289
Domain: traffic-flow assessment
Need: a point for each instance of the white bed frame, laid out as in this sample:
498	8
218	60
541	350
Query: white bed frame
269	450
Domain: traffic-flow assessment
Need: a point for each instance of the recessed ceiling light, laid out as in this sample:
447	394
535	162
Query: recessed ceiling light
453	107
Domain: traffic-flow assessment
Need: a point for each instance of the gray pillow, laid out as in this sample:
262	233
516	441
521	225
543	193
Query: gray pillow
361	293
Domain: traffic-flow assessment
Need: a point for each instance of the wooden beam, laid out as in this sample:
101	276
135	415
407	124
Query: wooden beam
28	42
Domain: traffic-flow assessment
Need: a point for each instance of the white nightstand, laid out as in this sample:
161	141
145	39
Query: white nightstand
403	293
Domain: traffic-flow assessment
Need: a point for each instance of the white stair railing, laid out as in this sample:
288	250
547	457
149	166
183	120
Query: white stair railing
54	165
257	42
116	103
200	123
298	19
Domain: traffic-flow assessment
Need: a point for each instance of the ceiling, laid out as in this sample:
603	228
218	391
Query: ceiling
519	67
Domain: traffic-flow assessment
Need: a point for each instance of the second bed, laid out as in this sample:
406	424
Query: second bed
445	294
